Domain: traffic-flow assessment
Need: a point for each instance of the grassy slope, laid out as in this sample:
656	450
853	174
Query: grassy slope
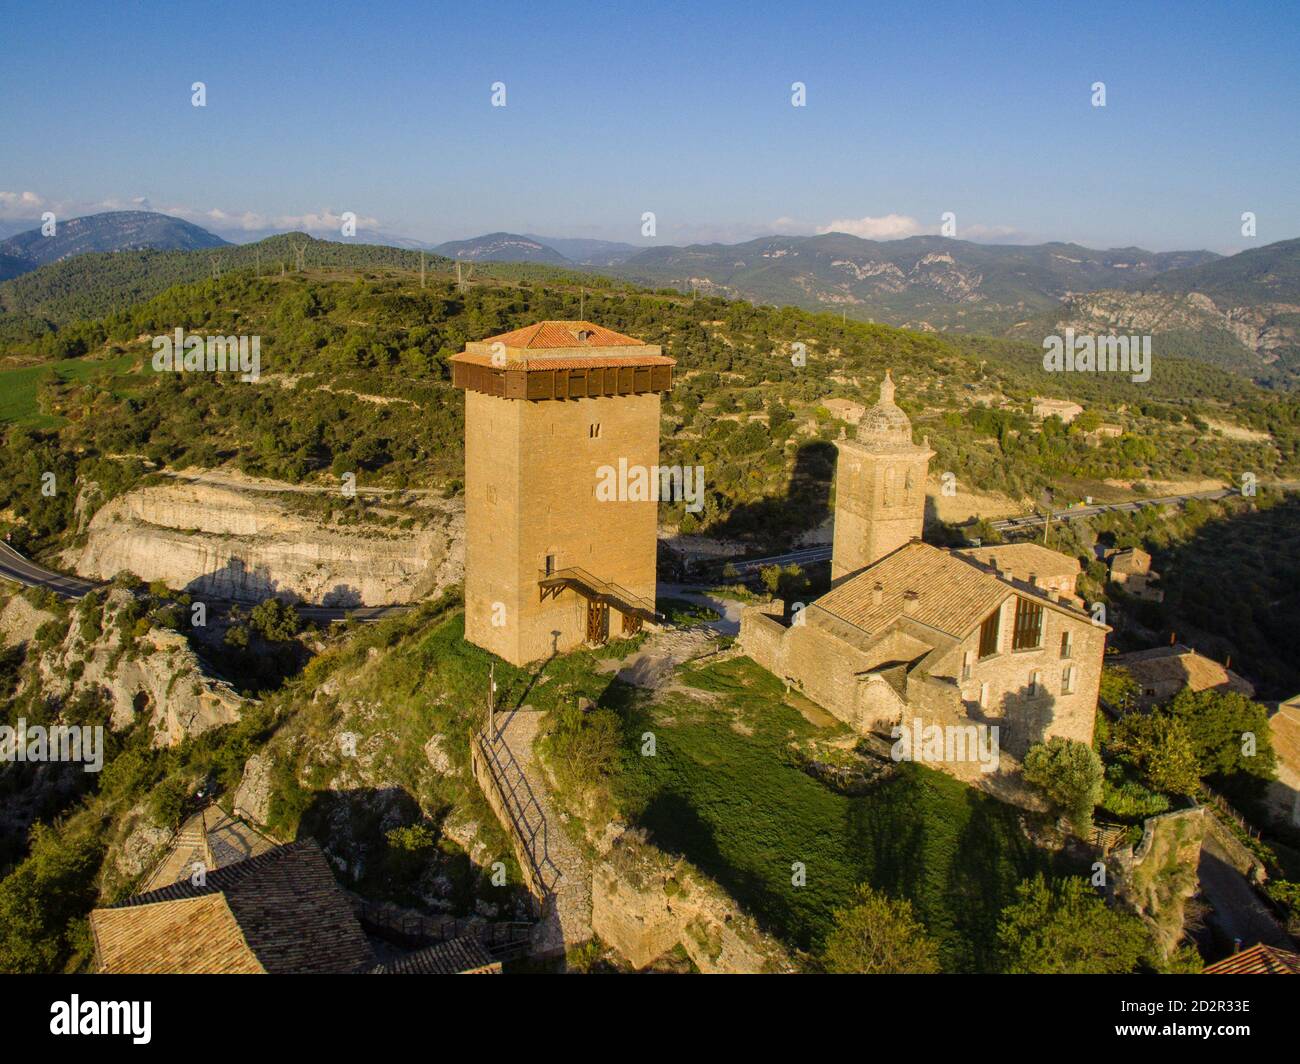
20	387
736	806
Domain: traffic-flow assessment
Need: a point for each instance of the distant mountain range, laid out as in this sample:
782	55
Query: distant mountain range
111	231
555	250
501	247
926	282
1241	312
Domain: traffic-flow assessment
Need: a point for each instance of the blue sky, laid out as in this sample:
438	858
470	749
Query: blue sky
682	109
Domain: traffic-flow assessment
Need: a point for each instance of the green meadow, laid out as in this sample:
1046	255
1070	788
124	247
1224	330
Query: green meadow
20	387
723	791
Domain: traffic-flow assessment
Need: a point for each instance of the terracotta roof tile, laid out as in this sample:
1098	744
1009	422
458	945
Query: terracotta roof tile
953	595
460	956
1022	559
1257	960
552	334
197	935
1184	666
280	912
477	359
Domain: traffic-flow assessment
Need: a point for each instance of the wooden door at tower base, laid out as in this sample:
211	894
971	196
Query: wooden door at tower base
597	622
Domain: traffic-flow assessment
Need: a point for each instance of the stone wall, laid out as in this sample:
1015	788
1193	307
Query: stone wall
1156	878
531	473
480	763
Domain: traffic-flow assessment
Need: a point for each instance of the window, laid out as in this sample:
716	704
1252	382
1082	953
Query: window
1067	680
1028	631
550	564
593	431
1067	644
989	635
1035	684
965	666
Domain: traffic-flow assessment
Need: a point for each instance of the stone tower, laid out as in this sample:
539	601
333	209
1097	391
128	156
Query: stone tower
879	487
552	411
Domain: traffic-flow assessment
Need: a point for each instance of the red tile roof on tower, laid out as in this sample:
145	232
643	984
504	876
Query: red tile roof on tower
552	334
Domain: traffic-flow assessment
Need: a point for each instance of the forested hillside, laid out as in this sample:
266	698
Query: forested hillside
355	379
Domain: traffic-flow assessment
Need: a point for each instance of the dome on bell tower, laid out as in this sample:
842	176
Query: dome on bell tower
885	426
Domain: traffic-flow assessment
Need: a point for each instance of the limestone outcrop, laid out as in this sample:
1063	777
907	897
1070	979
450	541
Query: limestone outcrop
158	674
19	620
644	903
247	541
1156	878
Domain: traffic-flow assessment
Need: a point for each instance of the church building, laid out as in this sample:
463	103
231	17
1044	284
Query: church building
909	631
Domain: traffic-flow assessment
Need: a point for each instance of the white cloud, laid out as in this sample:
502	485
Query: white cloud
19	206
886	227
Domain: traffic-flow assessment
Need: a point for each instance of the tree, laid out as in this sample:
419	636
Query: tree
879	935
1063	928
277	621
1229	732
1070	773
44	898
1118	687
1160	747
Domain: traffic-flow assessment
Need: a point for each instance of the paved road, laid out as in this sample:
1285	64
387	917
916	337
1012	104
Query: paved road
13	566
812	555
1238	911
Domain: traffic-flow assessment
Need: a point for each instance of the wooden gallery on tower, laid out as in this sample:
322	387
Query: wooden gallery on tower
549	566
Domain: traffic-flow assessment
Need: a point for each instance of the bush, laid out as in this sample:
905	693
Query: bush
277	621
879	935
583	745
1065	928
167	803
1070	774
1160	747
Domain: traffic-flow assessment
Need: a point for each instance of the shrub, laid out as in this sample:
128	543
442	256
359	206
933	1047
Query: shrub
1070	774
878	935
1064	928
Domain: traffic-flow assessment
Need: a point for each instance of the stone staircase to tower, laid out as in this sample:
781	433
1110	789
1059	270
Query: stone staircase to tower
556	872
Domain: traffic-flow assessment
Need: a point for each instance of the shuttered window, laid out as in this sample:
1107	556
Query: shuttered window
1028	631
989	635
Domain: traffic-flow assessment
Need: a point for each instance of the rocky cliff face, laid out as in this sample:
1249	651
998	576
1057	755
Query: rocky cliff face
232	541
1247	338
159	675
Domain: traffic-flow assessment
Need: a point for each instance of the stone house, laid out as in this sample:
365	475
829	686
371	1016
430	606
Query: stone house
1284	792
1164	671
1062	408
1130	568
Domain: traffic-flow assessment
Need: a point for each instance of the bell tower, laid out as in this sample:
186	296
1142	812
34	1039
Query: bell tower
879	487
